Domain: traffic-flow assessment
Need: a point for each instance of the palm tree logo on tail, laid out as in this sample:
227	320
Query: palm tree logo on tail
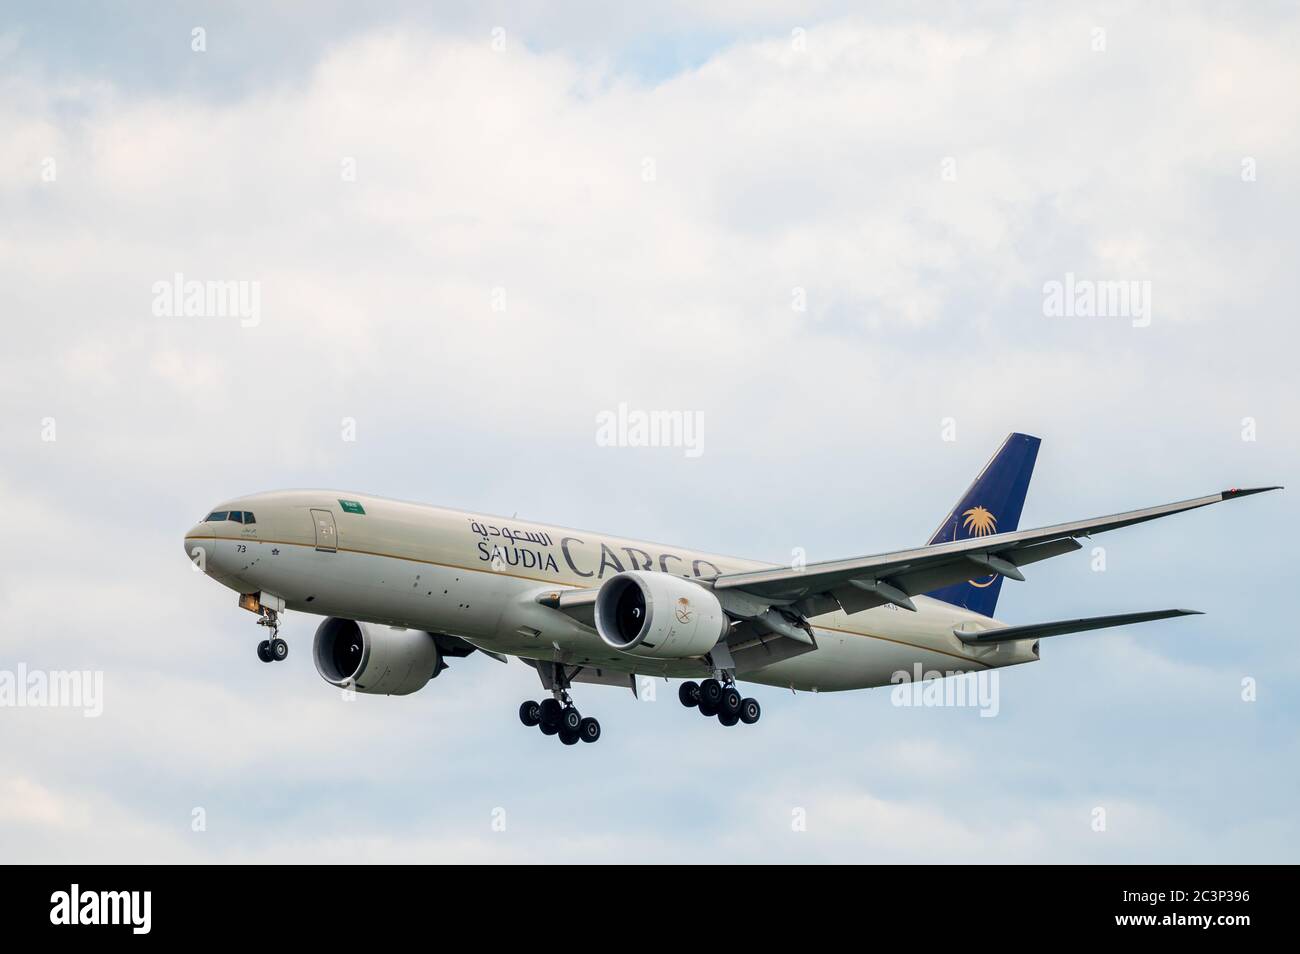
980	522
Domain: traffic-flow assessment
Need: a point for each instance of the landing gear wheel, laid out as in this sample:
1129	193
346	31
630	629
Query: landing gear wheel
273	648
728	718
570	719
730	701
707	710
710	694
549	728
750	710
530	713
688	694
550	713
569	736
589	730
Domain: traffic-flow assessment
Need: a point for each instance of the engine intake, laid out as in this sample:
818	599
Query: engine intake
374	659
658	615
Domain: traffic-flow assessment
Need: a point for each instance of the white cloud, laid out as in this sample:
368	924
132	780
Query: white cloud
23	801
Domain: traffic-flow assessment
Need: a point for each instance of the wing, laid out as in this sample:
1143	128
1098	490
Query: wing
864	582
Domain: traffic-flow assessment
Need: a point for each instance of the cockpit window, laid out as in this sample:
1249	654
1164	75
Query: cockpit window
238	516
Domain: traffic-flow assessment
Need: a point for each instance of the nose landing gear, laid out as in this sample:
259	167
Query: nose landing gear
273	649
719	698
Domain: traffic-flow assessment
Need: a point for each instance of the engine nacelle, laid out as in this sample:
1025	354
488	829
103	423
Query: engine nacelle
374	659
659	615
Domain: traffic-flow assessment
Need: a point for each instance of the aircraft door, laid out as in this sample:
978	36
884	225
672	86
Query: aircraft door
326	535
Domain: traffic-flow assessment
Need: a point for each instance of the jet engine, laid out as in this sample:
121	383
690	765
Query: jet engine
658	615
374	659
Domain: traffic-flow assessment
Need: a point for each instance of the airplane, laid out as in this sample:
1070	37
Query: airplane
405	586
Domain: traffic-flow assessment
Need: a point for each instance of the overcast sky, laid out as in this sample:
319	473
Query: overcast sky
472	232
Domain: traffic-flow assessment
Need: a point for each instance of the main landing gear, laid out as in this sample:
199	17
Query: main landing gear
274	649
559	716
719	698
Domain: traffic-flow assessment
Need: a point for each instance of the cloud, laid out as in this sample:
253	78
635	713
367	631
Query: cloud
24	801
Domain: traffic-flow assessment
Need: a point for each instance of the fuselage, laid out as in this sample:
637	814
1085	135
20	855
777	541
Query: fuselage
476	576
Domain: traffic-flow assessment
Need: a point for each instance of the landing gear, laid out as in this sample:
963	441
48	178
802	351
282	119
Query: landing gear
559	716
554	717
274	649
714	697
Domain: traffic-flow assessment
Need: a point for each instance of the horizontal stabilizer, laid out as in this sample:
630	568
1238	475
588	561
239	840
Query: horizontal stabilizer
1062	627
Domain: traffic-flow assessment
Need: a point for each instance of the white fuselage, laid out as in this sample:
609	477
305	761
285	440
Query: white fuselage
478	577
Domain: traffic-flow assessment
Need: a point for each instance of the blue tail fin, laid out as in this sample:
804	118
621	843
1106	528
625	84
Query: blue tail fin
991	504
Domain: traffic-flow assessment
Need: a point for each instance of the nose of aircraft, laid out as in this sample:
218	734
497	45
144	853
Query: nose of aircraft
199	541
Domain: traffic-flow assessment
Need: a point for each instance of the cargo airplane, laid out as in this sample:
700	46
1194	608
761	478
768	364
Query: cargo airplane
405	586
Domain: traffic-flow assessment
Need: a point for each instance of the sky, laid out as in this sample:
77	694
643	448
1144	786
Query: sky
827	231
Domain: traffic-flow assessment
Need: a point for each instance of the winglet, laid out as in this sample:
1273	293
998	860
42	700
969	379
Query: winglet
1247	491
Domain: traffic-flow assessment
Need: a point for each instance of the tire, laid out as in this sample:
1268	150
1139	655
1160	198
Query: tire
264	650
530	713
711	693
549	728
568	737
279	649
688	694
570	719
728	718
589	730
730	701
707	710
750	711
550	712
